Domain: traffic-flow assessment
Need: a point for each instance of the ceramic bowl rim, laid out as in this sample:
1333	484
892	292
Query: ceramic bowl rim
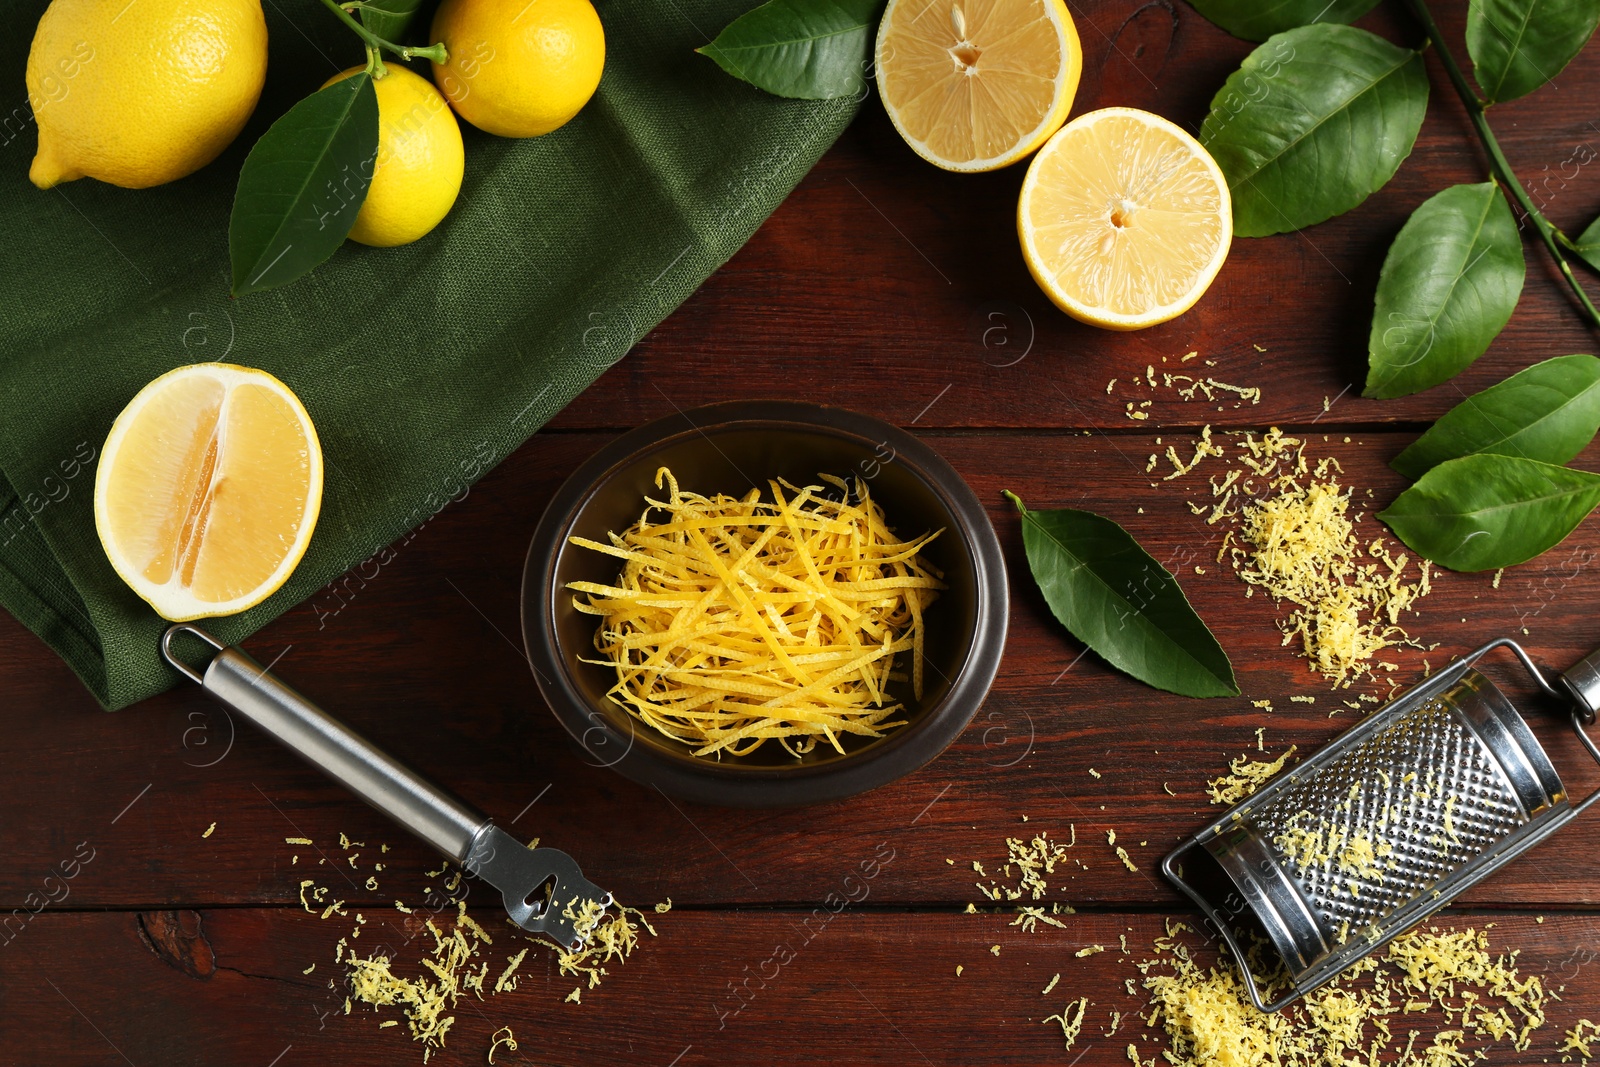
903	752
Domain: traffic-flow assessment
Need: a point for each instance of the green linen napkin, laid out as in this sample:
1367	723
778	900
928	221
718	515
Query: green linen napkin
422	366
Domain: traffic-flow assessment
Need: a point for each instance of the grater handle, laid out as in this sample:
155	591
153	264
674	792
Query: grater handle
1594	754
1581	684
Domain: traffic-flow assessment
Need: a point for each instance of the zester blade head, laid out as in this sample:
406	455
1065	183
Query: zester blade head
1388	823
543	889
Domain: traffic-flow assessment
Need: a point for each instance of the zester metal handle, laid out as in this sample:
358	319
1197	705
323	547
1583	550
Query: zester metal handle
444	821
429	811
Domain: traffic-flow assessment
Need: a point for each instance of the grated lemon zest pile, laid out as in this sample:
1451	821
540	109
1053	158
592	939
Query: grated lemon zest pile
1294	538
1028	862
737	621
1444	979
453	969
423	1001
607	935
1209	1020
1244	778
1304	549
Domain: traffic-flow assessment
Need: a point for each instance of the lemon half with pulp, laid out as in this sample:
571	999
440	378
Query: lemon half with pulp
975	85
1124	218
208	489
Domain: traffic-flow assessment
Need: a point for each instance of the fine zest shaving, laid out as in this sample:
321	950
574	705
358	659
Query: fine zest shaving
737	621
1292	534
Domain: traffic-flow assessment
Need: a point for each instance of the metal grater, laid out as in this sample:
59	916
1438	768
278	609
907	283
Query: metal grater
1387	824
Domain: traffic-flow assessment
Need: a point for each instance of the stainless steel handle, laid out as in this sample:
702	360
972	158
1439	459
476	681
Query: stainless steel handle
543	889
1582	684
440	818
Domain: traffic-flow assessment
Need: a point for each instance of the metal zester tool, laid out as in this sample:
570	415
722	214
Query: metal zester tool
1387	824
542	888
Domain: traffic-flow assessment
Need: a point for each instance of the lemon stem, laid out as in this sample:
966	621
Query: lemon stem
1501	168
375	44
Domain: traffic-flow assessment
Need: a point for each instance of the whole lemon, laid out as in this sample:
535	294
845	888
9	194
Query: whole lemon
417	172
519	68
141	93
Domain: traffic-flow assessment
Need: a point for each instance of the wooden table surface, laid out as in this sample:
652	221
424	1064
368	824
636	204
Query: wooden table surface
893	288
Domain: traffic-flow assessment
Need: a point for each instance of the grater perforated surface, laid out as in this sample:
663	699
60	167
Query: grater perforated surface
1388	819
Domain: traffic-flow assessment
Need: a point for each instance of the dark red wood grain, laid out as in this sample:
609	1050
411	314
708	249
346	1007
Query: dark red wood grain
869	986
893	288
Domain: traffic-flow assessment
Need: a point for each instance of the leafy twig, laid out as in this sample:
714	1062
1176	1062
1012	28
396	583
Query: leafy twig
374	43
1477	112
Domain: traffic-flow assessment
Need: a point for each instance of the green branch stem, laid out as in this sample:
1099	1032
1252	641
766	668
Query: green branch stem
374	43
1477	112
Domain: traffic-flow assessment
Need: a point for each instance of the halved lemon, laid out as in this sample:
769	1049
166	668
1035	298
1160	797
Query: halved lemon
977	84
208	489
1124	218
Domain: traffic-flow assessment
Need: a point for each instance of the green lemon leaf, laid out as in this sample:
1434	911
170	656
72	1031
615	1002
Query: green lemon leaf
389	19
1449	284
1315	121
1483	512
1548	412
809	49
302	185
1114	597
1256	20
1518	45
1588	245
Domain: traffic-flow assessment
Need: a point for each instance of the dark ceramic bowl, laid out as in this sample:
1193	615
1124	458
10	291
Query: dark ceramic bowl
731	448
